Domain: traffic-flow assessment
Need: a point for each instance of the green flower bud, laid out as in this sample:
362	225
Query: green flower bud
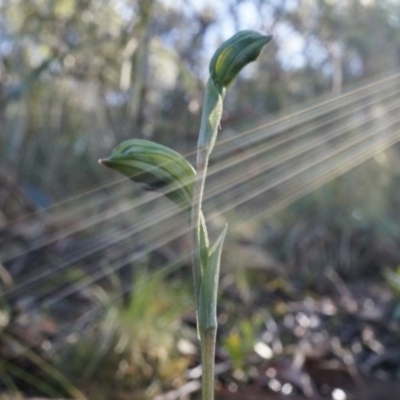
234	54
156	166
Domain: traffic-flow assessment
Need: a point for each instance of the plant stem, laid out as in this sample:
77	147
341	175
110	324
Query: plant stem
210	119
202	162
211	116
207	334
208	362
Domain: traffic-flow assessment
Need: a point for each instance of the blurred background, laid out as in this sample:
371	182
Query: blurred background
96	289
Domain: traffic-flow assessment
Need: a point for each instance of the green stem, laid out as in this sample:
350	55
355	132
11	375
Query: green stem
211	117
202	162
208	362
207	336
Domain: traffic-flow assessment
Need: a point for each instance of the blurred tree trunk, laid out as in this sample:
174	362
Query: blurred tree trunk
140	58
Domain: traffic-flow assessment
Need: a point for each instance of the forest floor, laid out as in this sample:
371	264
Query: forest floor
278	337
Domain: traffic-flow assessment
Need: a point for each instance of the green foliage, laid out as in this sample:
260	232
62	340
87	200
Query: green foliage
240	341
393	280
208	292
156	166
211	116
132	344
47	379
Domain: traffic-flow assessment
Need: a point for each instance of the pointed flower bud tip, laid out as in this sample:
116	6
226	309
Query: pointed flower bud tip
234	54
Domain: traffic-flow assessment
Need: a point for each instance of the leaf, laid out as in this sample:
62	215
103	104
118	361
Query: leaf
204	243
209	286
156	166
211	116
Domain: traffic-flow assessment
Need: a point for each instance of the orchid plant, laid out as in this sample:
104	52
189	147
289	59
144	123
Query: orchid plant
161	168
